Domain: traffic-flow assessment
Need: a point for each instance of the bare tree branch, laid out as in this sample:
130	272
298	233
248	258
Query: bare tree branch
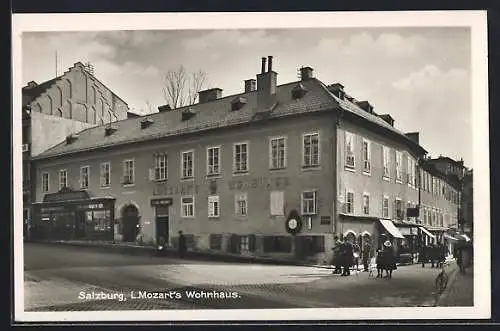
181	89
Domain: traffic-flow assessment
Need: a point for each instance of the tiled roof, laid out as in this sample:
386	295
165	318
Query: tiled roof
211	115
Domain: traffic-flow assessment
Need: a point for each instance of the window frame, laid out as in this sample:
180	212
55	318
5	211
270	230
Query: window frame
213	202
237	206
366	161
271	154
314	201
210	167
366	195
311	164
158	168
351	153
385	199
244	243
400	200
386	162
399	167
237	166
61	171
82	178
349	193
128	172
108	164
184	173
47	182
192	203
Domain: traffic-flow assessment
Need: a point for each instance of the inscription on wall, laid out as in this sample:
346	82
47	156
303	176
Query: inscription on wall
259	182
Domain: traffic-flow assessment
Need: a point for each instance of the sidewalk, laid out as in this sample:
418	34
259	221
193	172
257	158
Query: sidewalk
133	249
460	290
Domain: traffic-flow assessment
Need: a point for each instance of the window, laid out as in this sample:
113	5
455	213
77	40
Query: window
349	150
187	205
105	174
241	204
385	207
213	161
84	177
309	202
310	150
399	161
240	157
216	242
277	153
63	178
366	203
399	208
386	155
277	205
160	167
366	156
213	206
128	172
411	176
349	203
187	159
244	244
45	182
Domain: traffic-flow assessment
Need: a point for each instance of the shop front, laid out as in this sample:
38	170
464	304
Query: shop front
410	244
73	215
388	231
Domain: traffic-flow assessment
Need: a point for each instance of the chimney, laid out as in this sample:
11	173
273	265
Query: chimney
263	68
306	73
250	85
413	136
338	90
209	95
266	85
366	106
388	118
164	108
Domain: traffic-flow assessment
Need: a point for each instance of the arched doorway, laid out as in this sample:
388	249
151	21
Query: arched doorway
350	236
130	222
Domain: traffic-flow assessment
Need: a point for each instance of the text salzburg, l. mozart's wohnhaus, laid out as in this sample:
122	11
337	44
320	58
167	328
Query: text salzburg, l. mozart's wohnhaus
229	172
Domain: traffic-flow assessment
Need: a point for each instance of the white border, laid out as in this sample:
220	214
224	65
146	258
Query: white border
144	21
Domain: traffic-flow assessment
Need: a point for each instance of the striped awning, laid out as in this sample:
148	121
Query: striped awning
391	228
447	236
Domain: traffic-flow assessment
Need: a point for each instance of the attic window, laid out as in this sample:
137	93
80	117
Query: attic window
299	91
146	123
71	138
109	130
238	103
188	113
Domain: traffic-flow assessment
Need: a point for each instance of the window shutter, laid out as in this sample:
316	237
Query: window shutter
151	174
251	242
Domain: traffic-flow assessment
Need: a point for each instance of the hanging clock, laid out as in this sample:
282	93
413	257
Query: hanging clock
293	223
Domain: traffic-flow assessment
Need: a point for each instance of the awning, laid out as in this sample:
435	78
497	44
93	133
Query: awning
427	232
447	236
391	228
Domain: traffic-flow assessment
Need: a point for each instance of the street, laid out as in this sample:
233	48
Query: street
70	278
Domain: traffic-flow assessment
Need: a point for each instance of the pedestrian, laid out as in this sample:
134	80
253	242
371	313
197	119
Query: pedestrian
379	260
443	251
336	256
366	255
181	245
389	259
347	258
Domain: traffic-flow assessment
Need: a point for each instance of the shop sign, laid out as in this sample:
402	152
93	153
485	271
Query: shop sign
52	209
259	182
90	206
161	202
65	194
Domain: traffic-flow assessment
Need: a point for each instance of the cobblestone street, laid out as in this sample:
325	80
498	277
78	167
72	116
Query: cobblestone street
55	275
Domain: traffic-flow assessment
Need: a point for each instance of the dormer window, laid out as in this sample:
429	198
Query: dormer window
109	130
146	123
71	138
188	113
299	91
238	103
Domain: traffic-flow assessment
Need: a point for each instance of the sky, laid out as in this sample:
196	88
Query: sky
421	76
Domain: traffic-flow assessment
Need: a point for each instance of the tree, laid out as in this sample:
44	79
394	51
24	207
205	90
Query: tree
181	88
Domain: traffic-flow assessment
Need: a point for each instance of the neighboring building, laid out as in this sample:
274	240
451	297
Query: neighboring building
467	204
230	171
59	107
448	166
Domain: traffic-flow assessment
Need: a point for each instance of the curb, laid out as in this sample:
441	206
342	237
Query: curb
136	250
452	277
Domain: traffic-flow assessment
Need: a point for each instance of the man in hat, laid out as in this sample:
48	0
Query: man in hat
336	256
366	254
389	259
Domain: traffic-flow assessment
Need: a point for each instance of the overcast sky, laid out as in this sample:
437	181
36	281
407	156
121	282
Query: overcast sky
420	76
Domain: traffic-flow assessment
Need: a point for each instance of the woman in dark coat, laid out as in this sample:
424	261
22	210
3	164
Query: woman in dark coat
380	262
389	259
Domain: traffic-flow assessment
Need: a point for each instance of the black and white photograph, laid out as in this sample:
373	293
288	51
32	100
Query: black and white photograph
251	166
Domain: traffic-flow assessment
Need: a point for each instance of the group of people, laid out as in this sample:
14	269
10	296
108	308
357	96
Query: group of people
435	254
347	254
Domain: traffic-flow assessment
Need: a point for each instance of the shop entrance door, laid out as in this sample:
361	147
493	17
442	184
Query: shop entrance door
130	223
162	225
80	225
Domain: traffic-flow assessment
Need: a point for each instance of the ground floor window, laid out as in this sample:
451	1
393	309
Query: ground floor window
216	242
244	244
277	244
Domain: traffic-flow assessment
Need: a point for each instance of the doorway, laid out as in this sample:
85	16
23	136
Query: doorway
130	219
162	225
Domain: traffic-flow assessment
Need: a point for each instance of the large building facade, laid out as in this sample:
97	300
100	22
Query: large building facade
229	172
52	110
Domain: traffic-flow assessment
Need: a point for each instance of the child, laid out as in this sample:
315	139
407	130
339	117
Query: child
380	263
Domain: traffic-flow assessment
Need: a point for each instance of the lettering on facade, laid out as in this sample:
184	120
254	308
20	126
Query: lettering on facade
182	189
259	182
91	206
161	202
